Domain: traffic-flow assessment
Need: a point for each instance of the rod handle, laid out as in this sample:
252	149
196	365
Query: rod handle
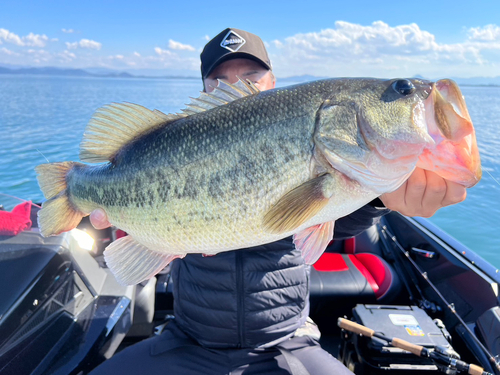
405	345
355	327
475	370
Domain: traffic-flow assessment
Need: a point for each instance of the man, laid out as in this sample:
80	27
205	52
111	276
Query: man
246	311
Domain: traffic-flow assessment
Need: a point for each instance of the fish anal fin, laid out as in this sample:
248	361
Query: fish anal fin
131	262
115	125
299	205
313	241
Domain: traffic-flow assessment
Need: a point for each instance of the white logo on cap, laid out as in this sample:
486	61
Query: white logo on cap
232	41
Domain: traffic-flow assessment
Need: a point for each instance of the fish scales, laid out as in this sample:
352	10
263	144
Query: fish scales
220	168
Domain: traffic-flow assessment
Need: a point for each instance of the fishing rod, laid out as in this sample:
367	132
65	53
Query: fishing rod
449	305
439	355
19	199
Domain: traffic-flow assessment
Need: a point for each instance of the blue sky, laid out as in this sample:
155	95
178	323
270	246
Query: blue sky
322	38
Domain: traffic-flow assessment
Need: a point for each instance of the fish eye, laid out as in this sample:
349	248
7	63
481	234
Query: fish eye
404	87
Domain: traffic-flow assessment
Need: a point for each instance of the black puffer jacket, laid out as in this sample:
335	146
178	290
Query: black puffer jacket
250	298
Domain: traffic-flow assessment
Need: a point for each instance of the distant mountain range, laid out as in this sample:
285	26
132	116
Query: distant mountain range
51	71
60	72
150	73
474	81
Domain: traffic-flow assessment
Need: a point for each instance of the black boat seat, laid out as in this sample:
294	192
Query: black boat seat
364	277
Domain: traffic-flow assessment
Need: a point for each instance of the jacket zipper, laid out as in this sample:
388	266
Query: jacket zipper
240	291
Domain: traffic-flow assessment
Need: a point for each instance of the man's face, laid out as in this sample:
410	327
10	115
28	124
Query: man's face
230	70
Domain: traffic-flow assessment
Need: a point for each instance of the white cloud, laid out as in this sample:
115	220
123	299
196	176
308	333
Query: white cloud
345	49
380	50
39	56
277	43
358	39
66	56
179	46
69	54
8	52
163	52
30	40
168	59
7	36
84	43
68	31
487	33
35	40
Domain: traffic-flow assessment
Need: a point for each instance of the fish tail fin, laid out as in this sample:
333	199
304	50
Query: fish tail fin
58	214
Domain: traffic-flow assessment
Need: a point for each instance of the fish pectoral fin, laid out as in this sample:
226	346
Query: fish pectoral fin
313	241
300	204
132	262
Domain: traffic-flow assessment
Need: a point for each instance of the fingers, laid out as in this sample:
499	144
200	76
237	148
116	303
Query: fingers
440	193
99	219
455	193
415	192
407	199
396	200
434	193
423	194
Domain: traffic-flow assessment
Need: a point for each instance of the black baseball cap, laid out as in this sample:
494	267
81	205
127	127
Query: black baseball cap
233	44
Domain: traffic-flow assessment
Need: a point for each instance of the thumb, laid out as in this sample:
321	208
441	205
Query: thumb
99	219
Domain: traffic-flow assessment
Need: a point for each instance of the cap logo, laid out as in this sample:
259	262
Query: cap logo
232	41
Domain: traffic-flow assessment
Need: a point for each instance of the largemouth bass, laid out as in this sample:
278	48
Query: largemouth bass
240	168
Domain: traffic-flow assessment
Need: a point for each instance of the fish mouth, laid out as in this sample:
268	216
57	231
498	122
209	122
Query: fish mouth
451	114
454	155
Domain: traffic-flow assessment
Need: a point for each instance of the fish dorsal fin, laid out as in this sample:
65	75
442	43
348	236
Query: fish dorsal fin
224	93
113	126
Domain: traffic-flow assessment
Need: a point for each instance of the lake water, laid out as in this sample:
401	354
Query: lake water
44	118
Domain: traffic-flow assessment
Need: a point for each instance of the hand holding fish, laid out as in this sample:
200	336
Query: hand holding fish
423	194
